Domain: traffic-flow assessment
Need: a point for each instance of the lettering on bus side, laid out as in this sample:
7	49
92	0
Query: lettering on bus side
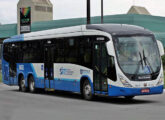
21	67
84	71
42	67
64	71
100	38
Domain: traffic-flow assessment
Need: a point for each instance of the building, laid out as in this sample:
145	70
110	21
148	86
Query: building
42	19
41	10
154	23
138	10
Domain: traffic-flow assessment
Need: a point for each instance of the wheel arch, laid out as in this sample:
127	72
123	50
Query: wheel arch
82	80
28	76
19	78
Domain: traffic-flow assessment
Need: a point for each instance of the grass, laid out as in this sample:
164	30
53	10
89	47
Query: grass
164	79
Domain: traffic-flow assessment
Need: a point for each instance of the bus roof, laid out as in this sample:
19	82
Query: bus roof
113	29
120	29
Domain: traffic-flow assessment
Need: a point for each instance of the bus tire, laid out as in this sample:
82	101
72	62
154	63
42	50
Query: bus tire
87	90
22	86
32	88
129	97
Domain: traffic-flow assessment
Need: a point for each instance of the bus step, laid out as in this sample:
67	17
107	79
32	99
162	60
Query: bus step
49	90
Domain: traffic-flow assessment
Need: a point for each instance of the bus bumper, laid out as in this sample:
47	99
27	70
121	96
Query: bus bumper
120	91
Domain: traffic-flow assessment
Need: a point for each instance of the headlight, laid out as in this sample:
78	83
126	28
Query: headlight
124	82
160	82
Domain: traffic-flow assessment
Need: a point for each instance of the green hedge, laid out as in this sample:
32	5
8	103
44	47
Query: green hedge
163	60
0	77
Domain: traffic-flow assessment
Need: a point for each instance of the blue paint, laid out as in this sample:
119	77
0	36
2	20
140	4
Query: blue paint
42	67
46	83
121	91
72	85
33	70
67	84
5	72
28	69
102	93
15	39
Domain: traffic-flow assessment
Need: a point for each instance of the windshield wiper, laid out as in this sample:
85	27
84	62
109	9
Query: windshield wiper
146	61
138	67
141	60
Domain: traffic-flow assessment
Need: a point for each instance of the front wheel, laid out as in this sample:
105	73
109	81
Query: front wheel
32	88
87	91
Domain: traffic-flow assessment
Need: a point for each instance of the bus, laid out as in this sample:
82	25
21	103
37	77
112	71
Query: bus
97	59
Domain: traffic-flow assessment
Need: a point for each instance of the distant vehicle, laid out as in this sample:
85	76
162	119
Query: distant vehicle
100	59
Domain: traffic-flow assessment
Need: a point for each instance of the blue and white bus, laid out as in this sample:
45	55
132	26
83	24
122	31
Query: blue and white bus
99	59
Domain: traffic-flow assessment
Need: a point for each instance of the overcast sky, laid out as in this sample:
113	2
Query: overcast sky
64	9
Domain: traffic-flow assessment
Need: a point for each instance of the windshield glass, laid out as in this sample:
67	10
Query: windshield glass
137	54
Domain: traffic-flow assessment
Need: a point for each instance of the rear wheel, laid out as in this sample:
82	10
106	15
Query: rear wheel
32	88
22	86
87	90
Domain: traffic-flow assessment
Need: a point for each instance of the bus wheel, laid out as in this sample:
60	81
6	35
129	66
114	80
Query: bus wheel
129	97
87	91
32	88
22	86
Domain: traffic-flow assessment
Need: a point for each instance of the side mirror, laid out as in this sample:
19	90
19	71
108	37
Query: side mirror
161	48
110	48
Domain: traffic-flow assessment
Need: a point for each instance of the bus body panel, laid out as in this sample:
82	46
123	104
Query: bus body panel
5	72
67	77
64	78
122	91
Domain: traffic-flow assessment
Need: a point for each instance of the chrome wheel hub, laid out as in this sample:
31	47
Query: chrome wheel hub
23	84
32	86
87	90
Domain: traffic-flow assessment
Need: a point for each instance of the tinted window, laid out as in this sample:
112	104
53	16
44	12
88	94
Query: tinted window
71	50
59	54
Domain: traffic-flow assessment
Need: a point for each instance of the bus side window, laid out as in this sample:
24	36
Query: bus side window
85	51
6	52
71	50
111	68
59	54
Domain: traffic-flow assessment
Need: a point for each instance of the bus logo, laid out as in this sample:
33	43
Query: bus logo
42	67
21	67
64	71
84	71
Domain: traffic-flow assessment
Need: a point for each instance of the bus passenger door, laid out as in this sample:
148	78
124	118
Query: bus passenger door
13	65
100	67
48	66
12	72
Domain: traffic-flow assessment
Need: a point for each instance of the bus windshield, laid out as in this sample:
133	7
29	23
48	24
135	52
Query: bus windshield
137	55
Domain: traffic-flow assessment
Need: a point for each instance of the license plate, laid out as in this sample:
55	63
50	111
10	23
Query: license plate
145	90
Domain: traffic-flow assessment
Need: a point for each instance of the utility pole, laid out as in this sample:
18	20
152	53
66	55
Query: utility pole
88	12
102	12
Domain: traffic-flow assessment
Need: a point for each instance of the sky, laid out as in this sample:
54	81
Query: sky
64	9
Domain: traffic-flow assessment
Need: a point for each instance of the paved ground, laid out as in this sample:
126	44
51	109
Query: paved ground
15	105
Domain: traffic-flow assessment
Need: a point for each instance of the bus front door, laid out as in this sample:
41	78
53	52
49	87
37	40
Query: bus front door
100	68
48	66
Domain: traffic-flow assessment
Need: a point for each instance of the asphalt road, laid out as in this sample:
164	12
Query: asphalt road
15	105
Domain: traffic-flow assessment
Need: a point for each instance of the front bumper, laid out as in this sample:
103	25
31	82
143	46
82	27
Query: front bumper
121	91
